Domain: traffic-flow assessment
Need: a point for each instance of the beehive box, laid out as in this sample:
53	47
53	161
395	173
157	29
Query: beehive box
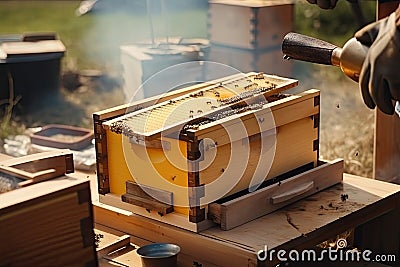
254	24
203	143
34	63
46	223
143	60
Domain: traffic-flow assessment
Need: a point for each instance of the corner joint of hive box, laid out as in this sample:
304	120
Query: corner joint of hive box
316	119
316	145
189	136
317	100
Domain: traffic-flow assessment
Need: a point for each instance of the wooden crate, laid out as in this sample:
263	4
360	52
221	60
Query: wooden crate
123	163
249	24
48	223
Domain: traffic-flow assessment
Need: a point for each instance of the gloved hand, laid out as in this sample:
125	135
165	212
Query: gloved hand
380	76
324	4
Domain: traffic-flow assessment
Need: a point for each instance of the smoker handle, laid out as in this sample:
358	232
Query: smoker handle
300	190
306	48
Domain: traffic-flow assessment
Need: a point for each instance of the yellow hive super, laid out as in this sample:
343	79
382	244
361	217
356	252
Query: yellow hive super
126	161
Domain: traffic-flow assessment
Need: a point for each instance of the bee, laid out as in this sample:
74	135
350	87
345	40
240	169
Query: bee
259	76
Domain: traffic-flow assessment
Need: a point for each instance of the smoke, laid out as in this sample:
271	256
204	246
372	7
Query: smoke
114	23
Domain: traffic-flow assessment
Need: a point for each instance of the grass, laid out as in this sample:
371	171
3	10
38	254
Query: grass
7	125
93	42
335	26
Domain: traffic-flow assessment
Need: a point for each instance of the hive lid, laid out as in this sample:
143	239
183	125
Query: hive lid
28	51
209	104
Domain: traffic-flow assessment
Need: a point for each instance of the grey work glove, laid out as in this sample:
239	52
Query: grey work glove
380	75
324	4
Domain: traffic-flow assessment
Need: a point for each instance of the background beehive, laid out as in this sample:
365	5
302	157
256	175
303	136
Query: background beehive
252	24
247	35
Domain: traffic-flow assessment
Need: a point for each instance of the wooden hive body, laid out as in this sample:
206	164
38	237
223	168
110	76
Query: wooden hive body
187	164
257	24
48	219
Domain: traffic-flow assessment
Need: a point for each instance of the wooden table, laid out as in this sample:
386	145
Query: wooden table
371	211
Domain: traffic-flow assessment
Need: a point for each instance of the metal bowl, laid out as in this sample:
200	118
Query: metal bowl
159	255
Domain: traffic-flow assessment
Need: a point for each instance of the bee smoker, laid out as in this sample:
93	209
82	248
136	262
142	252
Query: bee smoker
349	58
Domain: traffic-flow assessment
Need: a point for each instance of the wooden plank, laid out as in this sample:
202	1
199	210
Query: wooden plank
121	242
30	178
387	147
38	167
387	128
149	192
4	157
150	205
196	247
266	200
60	160
309	224
46	189
175	219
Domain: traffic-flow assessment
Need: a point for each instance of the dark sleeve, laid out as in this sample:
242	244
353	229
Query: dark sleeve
385	1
